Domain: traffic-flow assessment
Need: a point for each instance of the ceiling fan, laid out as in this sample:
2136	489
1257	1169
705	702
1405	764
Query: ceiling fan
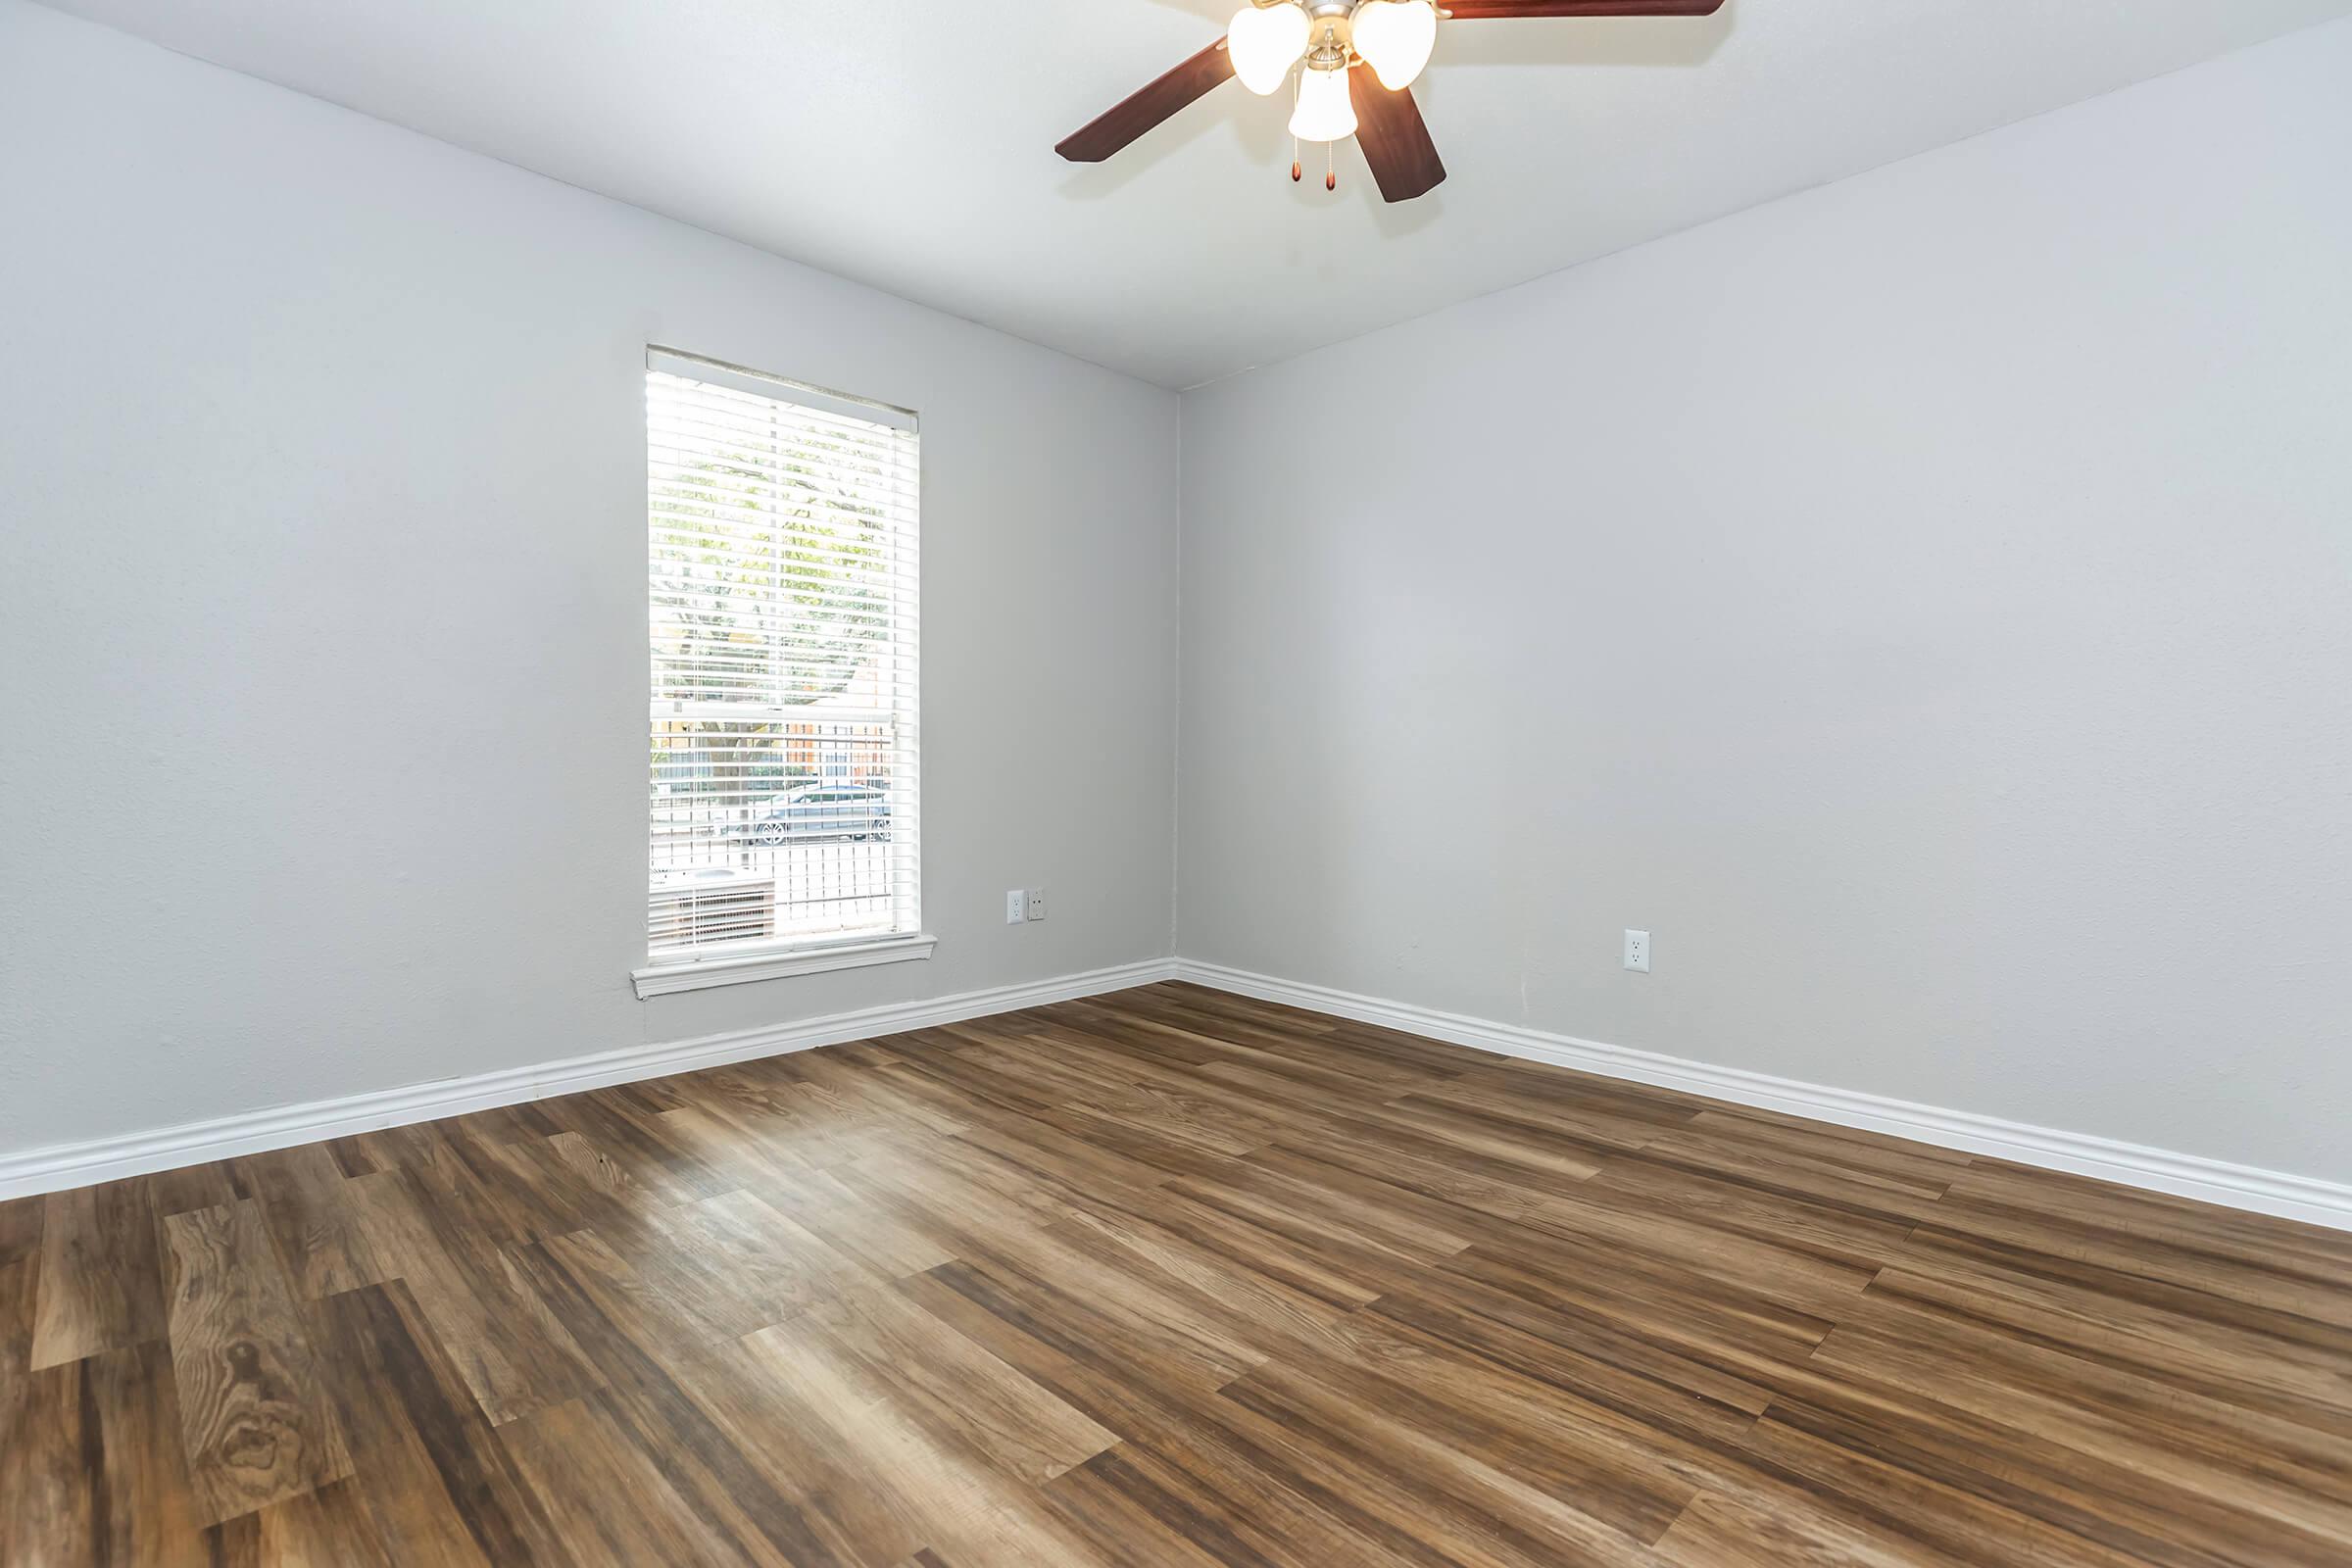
1391	39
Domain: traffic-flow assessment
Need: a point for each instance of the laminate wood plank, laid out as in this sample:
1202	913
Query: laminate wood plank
1290	1254
1613	1370
1639	1336
1960	1478
864	1227
2252	1370
1059	1074
1185	1440
1226	1496
2272	1293
979	1082
509	1194
1633	1457
2296	1442
20	1292
1511	1138
959	1218
655	1404
1863	1240
514	1354
92	1468
949	1382
1724	1321
1796	1173
727	1141
1129	1516
1602	1110
707	1271
845	1514
1084	1177
1503	1189
437	1485
637	1135
20	1228
607	1499
1837	1145
1282	1063
1434	1225
1153	1149
1646	1234
313	1222
1165	1277
1398	1234
1842	1475
52	1468
2136	1276
1236	1020
2258	1240
101	1277
1250	1305
1390	1401
881	1052
877	1089
330	1524
1456	1497
1181	1120
1726	1533
2259	1474
1293	1109
207	1186
1208	998
257	1422
951	1165
1157	1321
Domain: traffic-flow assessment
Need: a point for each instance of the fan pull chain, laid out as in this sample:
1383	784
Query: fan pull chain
1296	87
1331	175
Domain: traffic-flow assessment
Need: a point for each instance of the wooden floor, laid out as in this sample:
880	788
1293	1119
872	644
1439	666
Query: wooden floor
1165	1277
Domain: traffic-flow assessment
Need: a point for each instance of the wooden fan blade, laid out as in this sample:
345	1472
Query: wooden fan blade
1474	10
1388	127
1139	112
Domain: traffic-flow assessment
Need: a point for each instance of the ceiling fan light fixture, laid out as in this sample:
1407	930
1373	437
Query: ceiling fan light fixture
1265	42
1325	112
1395	39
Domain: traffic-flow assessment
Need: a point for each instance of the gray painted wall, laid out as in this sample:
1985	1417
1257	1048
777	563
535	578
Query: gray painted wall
322	604
1924	603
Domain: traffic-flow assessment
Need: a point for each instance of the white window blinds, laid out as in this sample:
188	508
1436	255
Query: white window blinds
783	786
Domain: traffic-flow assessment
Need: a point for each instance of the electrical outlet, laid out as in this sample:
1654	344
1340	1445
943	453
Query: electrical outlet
1017	906
1637	952
1037	904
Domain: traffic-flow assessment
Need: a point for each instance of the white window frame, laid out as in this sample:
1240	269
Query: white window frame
733	964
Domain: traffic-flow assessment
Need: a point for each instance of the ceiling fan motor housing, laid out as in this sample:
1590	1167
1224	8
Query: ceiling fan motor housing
1333	32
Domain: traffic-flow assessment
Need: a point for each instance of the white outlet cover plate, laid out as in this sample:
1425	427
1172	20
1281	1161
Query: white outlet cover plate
1017	906
1637	952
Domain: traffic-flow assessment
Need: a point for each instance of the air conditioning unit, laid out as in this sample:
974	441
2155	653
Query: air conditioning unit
696	908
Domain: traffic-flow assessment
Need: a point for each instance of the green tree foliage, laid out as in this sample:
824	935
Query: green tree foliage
771	584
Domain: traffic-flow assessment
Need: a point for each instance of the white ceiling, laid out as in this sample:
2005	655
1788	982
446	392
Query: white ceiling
909	143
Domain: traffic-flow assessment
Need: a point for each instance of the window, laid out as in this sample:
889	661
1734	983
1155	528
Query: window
783	786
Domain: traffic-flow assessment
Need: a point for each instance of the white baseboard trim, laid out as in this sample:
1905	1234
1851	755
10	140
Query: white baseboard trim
61	1166
2214	1181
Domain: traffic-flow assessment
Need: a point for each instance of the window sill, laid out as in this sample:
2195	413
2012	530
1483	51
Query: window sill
661	979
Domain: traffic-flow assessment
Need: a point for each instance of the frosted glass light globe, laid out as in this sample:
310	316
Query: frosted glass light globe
1325	112
1264	43
1394	37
